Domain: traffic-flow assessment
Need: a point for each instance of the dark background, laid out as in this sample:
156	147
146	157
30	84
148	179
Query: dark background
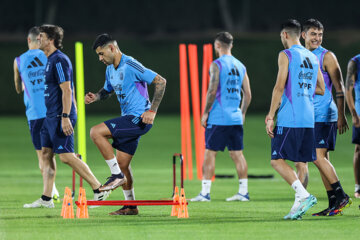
151	31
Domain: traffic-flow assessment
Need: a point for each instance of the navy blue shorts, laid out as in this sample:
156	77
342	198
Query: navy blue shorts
218	137
52	136
356	135
325	135
294	144
35	128
126	132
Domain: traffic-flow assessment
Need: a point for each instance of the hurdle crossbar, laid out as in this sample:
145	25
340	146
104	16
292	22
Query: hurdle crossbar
130	203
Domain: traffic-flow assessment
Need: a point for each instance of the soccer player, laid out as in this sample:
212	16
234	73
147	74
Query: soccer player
223	117
29	70
298	80
352	82
328	116
57	130
128	78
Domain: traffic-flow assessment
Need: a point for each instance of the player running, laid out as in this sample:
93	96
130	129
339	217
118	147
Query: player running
328	116
298	80
352	82
223	118
128	78
29	70
57	131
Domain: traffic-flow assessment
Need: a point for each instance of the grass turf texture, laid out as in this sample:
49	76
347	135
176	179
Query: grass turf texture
261	218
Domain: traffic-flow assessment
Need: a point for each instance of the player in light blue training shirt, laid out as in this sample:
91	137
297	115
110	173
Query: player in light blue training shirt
223	117
29	70
328	116
299	79
128	78
352	83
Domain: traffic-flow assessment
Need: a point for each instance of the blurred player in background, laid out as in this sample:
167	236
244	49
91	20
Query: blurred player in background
29	70
329	117
128	78
57	133
298	80
223	117
352	82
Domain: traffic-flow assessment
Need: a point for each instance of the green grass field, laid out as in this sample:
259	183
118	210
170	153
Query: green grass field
261	218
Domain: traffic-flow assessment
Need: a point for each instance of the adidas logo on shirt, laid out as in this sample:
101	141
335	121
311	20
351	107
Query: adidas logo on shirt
306	63
274	152
322	141
113	125
60	147
234	71
35	63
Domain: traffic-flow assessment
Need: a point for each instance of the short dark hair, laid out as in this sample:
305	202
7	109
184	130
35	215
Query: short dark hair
102	40
53	32
312	23
225	38
33	33
292	26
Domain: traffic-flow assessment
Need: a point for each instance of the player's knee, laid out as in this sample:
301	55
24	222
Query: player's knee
94	134
273	163
64	158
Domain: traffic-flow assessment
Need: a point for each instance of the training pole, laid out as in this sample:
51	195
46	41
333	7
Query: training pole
80	103
195	97
186	147
80	93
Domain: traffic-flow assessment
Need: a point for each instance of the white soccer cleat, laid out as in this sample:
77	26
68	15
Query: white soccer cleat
239	197
201	198
293	208
40	203
102	196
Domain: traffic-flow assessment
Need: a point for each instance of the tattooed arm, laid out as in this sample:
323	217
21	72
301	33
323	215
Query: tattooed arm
160	84
102	94
333	68
350	81
211	94
17	79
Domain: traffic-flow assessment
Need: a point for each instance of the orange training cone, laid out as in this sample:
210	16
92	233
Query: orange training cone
66	194
82	210
175	208
183	211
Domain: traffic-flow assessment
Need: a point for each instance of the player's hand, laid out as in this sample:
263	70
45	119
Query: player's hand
67	126
204	119
91	97
356	121
148	117
269	126
342	124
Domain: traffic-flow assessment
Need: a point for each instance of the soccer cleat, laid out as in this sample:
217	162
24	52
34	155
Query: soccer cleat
40	203
339	206
293	209
102	196
113	182
305	204
201	198
357	194
324	212
126	210
239	197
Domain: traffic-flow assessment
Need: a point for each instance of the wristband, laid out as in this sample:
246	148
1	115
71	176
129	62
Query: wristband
65	115
151	111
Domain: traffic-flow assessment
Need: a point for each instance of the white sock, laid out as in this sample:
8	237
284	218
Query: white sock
54	191
129	194
113	165
357	187
243	186
300	191
205	187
